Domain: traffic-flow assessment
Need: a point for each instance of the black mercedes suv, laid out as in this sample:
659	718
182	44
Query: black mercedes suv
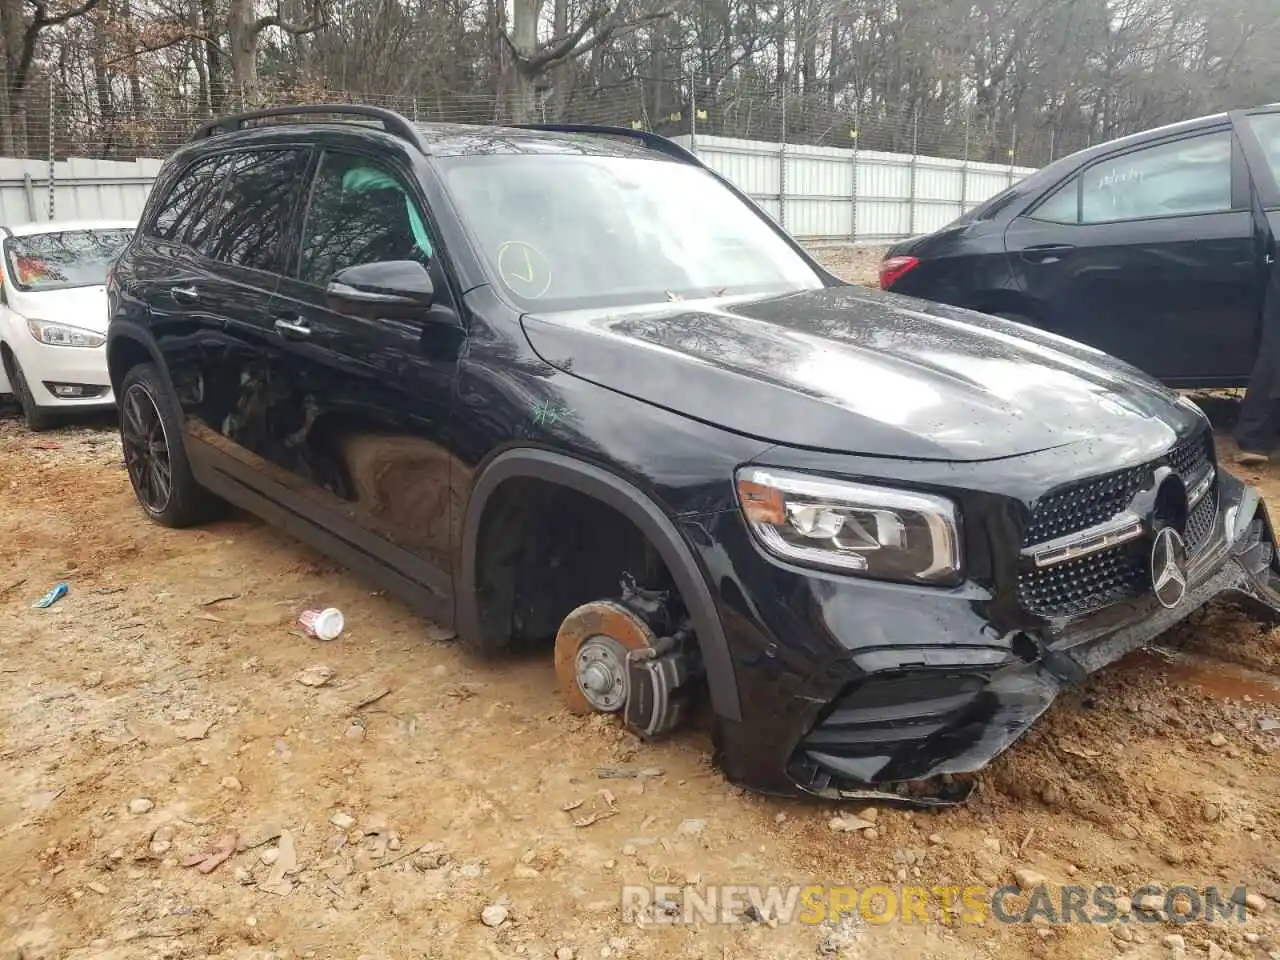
566	386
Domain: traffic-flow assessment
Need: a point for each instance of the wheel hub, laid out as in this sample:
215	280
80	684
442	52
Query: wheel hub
601	671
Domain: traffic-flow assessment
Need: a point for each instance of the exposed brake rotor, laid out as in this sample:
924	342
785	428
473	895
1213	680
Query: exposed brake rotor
610	659
591	655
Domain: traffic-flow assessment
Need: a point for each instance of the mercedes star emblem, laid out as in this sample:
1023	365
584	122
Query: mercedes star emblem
1169	567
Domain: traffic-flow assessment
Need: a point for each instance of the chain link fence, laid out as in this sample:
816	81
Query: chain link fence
63	118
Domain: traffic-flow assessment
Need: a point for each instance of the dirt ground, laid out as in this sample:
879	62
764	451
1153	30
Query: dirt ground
858	264
156	712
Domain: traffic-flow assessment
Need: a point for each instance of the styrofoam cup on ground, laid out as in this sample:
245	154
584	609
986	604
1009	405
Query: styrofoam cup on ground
323	624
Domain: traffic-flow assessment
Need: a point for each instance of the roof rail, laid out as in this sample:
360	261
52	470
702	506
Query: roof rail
654	141
392	122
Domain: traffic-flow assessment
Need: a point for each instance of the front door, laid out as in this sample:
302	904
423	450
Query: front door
1149	255
370	442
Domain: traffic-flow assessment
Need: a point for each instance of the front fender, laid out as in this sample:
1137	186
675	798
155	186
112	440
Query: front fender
640	509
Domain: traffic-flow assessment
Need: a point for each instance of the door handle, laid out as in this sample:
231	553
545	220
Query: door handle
292	329
1046	252
185	294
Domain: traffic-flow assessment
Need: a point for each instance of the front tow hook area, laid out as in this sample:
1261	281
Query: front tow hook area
917	738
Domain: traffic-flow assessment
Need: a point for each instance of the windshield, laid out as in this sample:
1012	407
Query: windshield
69	258
564	232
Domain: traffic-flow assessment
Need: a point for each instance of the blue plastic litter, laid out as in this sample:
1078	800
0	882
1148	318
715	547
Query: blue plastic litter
52	597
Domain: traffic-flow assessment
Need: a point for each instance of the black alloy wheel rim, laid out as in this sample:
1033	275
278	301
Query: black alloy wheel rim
146	449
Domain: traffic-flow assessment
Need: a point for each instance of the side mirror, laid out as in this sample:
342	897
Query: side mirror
391	288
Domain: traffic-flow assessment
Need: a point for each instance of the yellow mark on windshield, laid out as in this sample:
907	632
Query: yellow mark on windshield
524	268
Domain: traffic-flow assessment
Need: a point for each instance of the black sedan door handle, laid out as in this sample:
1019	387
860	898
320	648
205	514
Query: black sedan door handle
187	295
1046	252
292	328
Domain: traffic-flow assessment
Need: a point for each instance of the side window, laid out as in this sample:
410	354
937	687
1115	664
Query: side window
1061	206
1176	179
1267	129
251	220
360	212
189	198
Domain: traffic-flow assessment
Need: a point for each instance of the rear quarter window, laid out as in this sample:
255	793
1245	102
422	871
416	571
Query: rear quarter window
189	199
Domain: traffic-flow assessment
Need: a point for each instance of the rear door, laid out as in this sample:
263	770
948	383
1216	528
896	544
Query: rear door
1149	255
372	447
241	248
220	248
163	267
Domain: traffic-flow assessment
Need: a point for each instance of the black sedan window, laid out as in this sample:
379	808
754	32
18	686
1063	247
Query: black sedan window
1185	177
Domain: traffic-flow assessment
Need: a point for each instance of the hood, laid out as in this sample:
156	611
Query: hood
84	307
860	371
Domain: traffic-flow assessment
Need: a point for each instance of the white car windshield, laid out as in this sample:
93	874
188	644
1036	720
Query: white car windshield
568	231
63	259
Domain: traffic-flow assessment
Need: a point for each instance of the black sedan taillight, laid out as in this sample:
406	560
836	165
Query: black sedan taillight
892	269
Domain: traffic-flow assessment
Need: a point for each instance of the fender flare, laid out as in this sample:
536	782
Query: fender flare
119	330
640	509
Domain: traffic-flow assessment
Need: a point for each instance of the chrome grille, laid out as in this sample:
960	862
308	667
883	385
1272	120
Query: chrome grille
1090	583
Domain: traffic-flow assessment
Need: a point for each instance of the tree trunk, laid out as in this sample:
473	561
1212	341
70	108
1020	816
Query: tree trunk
780	42
560	72
242	36
202	78
11	30
102	84
217	102
135	66
524	38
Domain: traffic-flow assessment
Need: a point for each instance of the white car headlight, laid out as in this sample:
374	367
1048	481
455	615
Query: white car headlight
853	528
64	335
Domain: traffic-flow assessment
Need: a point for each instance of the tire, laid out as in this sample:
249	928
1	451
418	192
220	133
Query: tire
36	417
155	456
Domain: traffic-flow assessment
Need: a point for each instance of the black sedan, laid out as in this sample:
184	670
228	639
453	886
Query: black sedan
1153	248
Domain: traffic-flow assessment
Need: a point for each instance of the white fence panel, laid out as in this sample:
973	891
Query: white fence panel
82	189
829	193
818	193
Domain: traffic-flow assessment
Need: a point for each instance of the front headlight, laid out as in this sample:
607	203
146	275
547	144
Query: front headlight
62	335
854	528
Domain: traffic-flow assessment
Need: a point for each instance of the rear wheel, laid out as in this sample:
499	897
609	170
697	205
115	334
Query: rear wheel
37	418
151	435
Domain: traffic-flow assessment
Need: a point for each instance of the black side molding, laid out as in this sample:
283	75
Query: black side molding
640	510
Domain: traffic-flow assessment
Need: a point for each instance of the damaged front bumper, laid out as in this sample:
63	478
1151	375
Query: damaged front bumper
898	734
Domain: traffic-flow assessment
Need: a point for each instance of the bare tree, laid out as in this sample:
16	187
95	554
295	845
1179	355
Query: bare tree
956	77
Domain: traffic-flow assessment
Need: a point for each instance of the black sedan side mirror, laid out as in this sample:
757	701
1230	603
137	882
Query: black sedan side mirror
391	288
